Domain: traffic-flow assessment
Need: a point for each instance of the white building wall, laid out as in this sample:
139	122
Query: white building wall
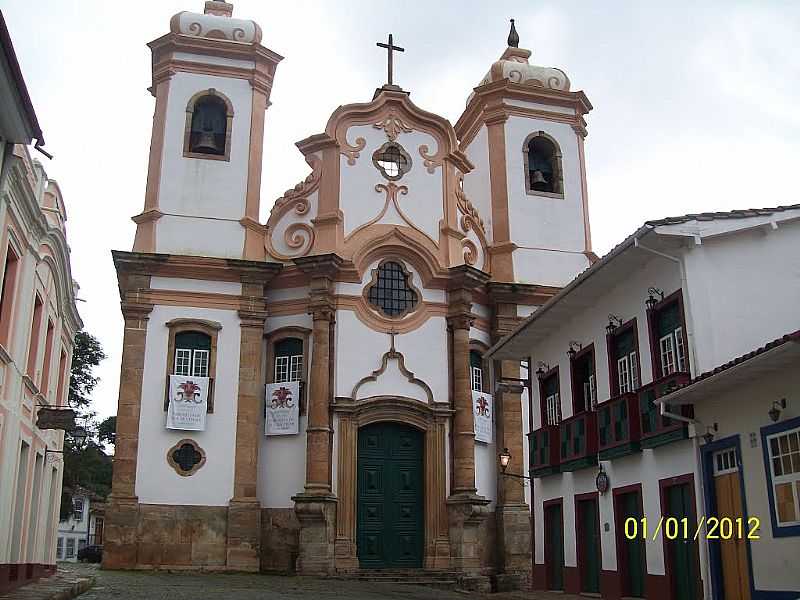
728	276
212	189
742	411
361	203
156	481
477	184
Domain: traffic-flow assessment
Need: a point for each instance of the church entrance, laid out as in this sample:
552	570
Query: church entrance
390	509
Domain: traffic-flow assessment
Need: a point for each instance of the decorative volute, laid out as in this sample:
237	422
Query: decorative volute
216	23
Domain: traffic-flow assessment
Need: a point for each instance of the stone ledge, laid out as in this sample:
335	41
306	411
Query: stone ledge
64	585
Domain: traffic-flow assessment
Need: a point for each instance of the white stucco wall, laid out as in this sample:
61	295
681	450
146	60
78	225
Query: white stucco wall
743	291
358	199
477	184
212	189
742	411
156	481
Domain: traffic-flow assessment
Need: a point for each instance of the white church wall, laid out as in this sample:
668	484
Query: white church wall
277	295
486	470
361	203
214	189
196	285
156	481
728	283
477	185
359	352
548	231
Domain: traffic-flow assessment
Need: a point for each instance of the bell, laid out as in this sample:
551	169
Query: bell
537	178
206	143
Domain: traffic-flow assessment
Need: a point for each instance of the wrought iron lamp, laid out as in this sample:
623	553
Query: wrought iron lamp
505	458
542	369
775	411
651	297
613	322
573	349
708	436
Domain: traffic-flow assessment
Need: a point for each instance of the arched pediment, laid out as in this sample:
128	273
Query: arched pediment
394	112
379	242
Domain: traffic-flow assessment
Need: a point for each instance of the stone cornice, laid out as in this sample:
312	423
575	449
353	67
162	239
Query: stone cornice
320	265
467	277
520	293
194	267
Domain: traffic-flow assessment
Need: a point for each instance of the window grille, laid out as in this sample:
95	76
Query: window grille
784	455
391	292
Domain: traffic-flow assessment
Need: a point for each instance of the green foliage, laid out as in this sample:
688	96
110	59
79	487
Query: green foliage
87	467
107	431
87	354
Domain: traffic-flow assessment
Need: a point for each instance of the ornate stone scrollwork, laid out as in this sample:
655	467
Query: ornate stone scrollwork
431	161
393	126
295	203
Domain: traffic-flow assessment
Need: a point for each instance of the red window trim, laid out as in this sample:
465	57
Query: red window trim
655	353
613	376
572	375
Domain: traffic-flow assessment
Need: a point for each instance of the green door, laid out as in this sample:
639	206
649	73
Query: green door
590	546
554	547
390	506
633	557
683	552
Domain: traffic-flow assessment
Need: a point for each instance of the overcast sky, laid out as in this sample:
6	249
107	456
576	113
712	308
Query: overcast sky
694	103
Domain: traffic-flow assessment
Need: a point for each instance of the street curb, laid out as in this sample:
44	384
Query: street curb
75	590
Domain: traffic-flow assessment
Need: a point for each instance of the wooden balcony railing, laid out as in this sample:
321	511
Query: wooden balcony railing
618	426
657	430
578	441
543	445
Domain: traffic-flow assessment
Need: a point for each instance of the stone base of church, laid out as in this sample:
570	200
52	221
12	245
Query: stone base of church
465	515
280	540
317	517
243	551
514	540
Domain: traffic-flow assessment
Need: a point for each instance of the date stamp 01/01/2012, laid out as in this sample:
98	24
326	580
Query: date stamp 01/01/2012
673	528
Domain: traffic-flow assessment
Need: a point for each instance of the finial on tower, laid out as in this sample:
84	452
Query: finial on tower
513	36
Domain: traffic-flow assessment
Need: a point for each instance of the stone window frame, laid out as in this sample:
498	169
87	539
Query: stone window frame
409	279
187	132
278	335
558	170
211	329
403	153
176	467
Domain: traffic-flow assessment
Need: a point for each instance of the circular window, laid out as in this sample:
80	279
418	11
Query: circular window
392	161
186	457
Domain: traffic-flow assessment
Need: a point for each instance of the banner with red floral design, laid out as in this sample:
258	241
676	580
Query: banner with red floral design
482	415
283	408
188	402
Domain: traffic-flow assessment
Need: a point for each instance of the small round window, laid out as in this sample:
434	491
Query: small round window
392	161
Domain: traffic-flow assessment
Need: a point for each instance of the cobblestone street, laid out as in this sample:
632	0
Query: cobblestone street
139	585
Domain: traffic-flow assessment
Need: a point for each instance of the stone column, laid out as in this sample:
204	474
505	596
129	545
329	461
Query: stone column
512	512
244	509
316	505
466	509
122	517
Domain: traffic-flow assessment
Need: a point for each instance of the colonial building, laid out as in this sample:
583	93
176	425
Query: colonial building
79	528
362	306
38	321
620	458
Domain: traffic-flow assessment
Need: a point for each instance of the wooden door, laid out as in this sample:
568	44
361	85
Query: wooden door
683	558
589	545
633	565
733	552
390	525
554	547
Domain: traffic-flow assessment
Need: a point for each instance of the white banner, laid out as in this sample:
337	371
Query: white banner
482	413
283	408
188	402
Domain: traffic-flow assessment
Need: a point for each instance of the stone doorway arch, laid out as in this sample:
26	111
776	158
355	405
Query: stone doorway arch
431	419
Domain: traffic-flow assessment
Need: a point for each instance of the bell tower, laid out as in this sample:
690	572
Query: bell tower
523	129
211	80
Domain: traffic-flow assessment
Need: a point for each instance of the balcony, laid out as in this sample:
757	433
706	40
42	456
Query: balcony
543	445
657	430
578	442
618	426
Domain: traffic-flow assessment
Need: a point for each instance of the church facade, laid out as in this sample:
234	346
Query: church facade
309	394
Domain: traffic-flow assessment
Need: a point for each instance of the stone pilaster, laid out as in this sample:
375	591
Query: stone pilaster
512	512
316	505
244	509
465	508
123	512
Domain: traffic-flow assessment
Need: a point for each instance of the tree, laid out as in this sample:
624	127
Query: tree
86	466
107	430
87	355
